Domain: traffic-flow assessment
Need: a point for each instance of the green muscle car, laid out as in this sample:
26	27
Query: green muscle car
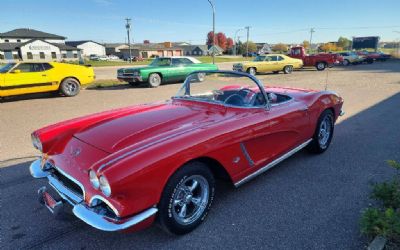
163	69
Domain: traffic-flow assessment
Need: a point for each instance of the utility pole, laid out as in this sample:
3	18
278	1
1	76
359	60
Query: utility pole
213	45
312	30
247	43
128	28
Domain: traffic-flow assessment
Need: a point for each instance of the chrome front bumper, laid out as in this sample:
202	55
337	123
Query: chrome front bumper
81	209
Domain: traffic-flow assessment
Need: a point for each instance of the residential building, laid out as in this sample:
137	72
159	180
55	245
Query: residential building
29	44
115	48
88	47
151	50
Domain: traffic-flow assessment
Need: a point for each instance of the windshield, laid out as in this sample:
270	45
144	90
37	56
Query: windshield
259	59
161	62
224	88
7	67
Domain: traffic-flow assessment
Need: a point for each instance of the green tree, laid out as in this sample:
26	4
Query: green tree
344	43
280	47
252	47
306	44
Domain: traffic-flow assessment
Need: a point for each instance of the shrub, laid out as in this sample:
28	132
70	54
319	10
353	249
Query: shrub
388	193
385	219
385	223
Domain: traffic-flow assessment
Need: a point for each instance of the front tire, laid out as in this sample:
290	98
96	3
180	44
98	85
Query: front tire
70	87
320	66
288	69
154	80
323	133
252	71
186	198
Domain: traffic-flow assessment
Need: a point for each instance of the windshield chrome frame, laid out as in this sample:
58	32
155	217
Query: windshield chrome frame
267	106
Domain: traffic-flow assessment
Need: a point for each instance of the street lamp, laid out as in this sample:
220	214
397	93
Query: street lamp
128	29
398	45
213	45
234	47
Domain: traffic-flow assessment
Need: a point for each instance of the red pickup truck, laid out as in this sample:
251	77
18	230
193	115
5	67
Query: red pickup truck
319	61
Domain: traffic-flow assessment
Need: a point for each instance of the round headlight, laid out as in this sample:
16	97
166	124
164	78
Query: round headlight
93	179
36	142
105	186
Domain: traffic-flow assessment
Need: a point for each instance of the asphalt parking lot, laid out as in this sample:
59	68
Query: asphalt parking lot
307	202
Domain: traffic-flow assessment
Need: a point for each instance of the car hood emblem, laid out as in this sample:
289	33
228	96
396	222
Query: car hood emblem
75	151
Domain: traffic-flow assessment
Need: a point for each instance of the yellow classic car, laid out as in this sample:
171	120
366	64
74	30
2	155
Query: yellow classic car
269	63
33	77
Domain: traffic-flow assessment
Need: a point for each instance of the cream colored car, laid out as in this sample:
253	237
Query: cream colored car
269	63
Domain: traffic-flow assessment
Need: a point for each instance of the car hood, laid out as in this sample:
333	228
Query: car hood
146	126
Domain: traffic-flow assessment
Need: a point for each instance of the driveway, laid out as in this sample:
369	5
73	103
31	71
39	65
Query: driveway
306	202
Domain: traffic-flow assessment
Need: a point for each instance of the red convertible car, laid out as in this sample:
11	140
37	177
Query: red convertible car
125	168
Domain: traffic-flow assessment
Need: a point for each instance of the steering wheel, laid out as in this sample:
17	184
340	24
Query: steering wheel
238	100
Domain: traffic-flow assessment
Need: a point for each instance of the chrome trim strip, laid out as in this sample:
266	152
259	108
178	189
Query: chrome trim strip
273	163
99	197
64	192
246	154
100	222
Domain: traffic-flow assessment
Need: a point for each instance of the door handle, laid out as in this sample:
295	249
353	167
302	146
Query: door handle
44	75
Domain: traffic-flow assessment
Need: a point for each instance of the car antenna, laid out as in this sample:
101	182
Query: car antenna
326	78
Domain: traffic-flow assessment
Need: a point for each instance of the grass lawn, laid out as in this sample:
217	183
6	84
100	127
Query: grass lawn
104	84
219	59
204	59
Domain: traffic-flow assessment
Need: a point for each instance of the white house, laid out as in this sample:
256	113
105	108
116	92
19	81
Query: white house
88	47
30	44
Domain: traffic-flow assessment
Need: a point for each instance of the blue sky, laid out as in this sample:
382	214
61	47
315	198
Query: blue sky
183	20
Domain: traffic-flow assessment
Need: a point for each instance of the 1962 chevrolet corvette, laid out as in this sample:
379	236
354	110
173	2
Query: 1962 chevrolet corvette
125	168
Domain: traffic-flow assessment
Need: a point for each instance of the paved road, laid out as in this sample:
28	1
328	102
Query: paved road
110	72
307	202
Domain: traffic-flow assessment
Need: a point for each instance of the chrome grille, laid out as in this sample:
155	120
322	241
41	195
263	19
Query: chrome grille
67	182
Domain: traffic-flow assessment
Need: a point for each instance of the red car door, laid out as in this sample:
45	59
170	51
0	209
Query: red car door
273	133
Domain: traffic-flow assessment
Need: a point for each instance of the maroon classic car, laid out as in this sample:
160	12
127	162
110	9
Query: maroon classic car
124	168
319	61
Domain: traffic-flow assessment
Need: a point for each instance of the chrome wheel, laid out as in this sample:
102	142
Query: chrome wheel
346	62
252	71
70	87
190	200
320	66
201	76
154	80
325	130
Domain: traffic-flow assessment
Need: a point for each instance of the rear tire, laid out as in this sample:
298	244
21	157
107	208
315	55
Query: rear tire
70	87
323	133
154	80
186	198
320	66
288	69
